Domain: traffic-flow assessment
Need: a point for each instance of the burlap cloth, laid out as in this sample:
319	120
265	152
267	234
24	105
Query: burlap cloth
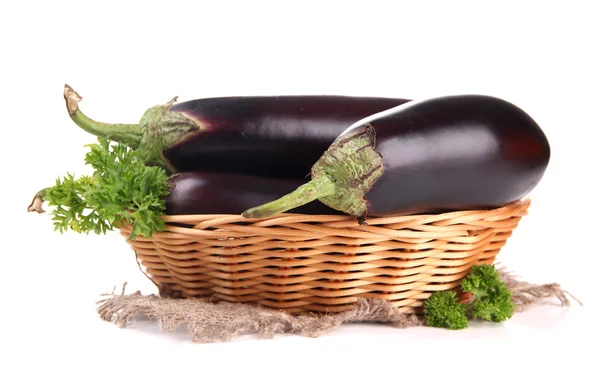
218	322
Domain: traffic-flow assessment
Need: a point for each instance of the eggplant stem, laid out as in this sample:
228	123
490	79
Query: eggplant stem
37	202
310	191
171	102
128	134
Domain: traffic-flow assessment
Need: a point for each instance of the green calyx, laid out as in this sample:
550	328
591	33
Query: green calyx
354	166
340	178
159	128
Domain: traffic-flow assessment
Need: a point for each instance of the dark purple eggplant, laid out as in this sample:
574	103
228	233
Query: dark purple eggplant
201	192
440	154
275	136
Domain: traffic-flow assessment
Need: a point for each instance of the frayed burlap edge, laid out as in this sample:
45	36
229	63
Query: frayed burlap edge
525	294
218	322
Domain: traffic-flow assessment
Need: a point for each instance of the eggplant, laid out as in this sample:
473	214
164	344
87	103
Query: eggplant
274	136
202	192
439	154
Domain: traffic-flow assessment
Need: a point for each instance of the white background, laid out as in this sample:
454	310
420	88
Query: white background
124	57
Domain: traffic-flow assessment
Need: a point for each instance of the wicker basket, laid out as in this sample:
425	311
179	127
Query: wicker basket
301	263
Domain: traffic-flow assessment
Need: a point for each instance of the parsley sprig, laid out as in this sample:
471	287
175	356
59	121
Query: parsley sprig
492	301
122	190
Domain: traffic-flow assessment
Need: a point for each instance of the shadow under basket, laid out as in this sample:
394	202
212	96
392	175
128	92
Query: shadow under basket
301	263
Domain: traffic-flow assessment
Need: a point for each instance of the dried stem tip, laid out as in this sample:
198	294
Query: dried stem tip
72	98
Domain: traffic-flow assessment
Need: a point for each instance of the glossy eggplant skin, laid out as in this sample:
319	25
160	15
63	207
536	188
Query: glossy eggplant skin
274	136
455	152
202	192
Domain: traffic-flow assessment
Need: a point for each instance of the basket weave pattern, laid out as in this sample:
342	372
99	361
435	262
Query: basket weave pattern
301	263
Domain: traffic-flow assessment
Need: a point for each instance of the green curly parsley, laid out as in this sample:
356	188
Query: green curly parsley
442	309
492	301
121	191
